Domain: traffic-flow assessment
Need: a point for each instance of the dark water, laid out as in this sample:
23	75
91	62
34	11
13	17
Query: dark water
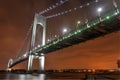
32	77
53	76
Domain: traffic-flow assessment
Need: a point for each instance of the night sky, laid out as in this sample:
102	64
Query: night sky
16	16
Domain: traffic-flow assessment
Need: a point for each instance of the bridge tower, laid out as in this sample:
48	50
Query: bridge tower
41	20
9	63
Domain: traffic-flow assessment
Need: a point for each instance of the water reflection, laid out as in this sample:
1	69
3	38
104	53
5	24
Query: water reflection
21	77
42	77
32	77
58	76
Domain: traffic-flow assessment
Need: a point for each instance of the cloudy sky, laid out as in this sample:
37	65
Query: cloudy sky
16	16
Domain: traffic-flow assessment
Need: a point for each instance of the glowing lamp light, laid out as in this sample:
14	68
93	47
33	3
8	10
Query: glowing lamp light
38	46
108	17
55	36
64	30
25	55
99	9
48	40
78	22
116	13
9	69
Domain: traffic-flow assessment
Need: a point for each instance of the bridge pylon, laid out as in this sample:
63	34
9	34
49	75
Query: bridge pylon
9	63
41	20
42	61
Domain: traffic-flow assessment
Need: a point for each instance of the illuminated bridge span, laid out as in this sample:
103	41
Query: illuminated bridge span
105	24
93	29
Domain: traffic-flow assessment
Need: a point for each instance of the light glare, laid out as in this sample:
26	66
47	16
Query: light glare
99	9
64	30
78	22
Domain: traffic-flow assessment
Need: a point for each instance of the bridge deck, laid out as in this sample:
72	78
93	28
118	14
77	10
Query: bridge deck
83	33
90	33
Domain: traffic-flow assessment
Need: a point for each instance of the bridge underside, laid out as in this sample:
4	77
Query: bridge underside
100	29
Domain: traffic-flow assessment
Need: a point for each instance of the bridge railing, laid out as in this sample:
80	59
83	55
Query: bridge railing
79	29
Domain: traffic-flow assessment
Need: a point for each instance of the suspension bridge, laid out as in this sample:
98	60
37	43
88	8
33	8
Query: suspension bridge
101	25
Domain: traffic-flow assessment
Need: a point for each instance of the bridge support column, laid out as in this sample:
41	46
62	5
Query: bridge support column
30	61
9	63
41	20
42	62
116	6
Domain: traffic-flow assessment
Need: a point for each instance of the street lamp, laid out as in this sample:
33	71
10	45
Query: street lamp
25	55
99	10
38	46
78	23
48	40
86	22
64	30
56	36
